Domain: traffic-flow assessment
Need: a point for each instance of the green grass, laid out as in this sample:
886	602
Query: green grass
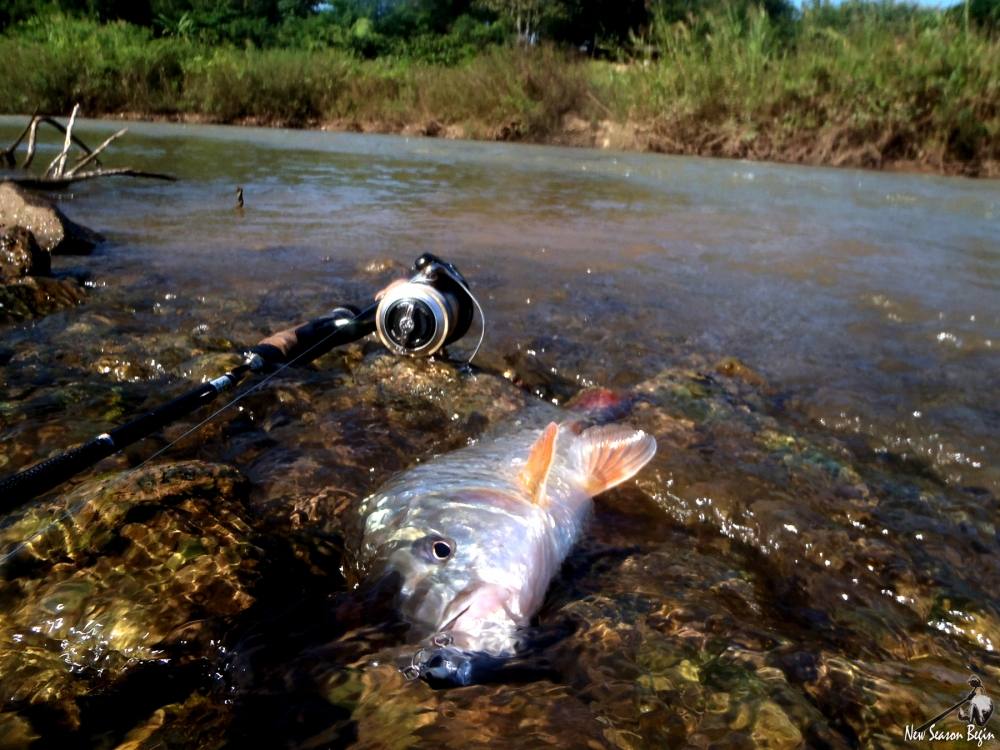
861	84
918	88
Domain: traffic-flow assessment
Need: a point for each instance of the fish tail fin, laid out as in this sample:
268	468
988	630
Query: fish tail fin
608	455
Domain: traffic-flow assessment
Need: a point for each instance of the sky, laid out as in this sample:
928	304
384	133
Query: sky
922	3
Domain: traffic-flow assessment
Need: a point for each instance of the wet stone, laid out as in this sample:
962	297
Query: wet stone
387	711
15	732
20	255
832	546
774	730
704	607
196	722
54	232
26	291
734	368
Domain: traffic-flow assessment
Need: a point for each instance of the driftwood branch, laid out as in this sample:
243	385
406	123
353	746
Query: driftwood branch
56	175
41	183
8	153
59	163
87	158
31	131
33	134
32	138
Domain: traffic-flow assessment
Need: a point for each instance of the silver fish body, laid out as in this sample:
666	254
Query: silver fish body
476	535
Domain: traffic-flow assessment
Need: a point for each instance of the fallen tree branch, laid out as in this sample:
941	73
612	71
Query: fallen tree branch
43	183
8	153
32	138
59	163
87	158
56	175
33	134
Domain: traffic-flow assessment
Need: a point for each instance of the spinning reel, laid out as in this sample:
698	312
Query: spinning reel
433	308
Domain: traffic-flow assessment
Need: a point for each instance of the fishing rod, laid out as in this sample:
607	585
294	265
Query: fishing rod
414	317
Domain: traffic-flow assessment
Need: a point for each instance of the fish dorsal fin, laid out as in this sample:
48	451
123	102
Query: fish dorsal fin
608	455
536	468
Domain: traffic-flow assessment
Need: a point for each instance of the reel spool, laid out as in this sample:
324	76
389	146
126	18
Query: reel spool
420	316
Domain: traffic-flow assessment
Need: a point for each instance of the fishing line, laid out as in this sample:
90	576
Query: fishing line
482	318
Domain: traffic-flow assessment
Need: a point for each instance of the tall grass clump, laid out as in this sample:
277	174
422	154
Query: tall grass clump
860	82
275	86
505	91
54	61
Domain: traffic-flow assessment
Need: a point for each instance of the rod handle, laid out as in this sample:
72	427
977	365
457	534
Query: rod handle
43	476
316	337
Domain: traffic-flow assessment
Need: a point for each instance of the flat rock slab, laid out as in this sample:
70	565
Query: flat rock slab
53	231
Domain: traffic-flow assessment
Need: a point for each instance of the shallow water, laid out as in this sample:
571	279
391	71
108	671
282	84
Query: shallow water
869	304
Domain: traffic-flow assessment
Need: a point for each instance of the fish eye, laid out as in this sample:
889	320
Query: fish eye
434	548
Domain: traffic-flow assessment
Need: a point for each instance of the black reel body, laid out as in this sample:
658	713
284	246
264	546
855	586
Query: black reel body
432	309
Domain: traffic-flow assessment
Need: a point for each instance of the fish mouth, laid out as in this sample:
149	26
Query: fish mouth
481	620
450	625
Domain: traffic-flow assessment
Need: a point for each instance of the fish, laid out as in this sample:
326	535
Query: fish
474	537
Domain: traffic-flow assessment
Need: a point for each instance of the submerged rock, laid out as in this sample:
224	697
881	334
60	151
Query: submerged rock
196	722
15	732
761	584
54	232
141	567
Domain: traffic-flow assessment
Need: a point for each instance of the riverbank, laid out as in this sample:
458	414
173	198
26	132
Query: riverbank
919	96
629	136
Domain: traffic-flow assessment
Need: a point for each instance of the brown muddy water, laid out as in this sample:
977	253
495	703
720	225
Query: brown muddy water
811	560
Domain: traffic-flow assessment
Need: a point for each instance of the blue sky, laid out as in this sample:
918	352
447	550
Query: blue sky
924	3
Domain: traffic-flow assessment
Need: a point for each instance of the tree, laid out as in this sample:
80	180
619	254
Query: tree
596	22
527	15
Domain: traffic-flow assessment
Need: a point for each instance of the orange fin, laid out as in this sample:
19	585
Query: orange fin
610	454
536	469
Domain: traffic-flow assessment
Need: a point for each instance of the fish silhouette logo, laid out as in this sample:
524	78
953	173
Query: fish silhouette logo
975	709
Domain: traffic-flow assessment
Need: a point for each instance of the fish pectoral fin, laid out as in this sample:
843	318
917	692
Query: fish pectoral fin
610	454
536	471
